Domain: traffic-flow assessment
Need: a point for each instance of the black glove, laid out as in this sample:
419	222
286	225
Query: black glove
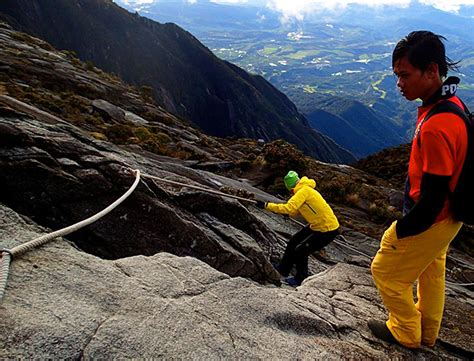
260	204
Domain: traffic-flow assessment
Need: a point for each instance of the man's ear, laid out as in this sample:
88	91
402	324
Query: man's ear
433	70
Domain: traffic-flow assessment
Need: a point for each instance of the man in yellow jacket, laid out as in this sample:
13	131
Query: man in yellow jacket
322	227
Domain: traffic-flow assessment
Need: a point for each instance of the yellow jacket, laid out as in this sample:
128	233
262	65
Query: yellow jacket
310	204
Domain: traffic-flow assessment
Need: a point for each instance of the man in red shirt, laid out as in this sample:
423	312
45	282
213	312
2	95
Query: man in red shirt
414	247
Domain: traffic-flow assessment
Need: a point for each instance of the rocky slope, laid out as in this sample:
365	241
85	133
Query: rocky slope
181	74
64	303
174	272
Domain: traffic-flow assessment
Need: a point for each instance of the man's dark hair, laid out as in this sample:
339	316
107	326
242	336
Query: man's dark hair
423	48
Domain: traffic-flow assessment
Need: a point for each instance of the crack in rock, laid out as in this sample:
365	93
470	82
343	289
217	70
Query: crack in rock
89	339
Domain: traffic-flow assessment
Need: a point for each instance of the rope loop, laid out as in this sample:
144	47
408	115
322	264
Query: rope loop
6	251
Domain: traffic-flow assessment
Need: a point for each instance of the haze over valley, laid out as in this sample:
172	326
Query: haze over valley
322	58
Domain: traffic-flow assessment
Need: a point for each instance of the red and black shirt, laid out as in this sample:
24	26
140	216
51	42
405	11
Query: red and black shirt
436	160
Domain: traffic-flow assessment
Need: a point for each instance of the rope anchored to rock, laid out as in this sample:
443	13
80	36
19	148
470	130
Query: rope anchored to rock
212	191
8	254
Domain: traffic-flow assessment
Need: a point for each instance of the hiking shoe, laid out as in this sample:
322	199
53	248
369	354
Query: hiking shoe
278	267
429	345
381	331
292	281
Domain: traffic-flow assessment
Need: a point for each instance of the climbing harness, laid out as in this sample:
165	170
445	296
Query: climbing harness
7	255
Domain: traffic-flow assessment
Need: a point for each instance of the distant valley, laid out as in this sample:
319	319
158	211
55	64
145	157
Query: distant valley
173	69
345	55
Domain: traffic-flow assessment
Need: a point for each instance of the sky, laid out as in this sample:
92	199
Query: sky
312	5
302	6
298	9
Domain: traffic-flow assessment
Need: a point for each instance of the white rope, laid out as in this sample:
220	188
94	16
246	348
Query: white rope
67	230
198	188
4	267
242	199
18	250
342	244
8	254
345	244
460	284
351	248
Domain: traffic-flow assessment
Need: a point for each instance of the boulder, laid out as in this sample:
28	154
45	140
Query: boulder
109	111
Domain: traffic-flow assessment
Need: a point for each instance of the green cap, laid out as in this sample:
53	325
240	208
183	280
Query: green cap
291	179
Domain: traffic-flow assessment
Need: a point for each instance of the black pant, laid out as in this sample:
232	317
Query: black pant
300	247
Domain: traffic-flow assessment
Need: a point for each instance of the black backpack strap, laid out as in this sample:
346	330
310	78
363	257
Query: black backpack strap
444	106
466	109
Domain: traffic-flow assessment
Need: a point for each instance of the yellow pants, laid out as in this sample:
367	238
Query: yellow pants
395	268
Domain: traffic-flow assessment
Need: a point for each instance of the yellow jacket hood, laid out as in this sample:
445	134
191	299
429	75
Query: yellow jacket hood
304	181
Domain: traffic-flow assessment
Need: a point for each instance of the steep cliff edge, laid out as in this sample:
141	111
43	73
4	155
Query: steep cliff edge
185	77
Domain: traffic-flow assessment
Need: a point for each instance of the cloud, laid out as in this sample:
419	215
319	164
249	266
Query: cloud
138	2
230	1
299	9
451	6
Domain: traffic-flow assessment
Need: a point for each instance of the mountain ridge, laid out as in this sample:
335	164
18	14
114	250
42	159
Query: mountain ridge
187	79
172	262
341	53
351	124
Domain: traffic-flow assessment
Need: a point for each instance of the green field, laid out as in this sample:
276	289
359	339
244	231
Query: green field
323	62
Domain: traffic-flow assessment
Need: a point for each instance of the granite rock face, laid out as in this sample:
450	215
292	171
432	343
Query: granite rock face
57	176
174	271
171	272
179	72
64	303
